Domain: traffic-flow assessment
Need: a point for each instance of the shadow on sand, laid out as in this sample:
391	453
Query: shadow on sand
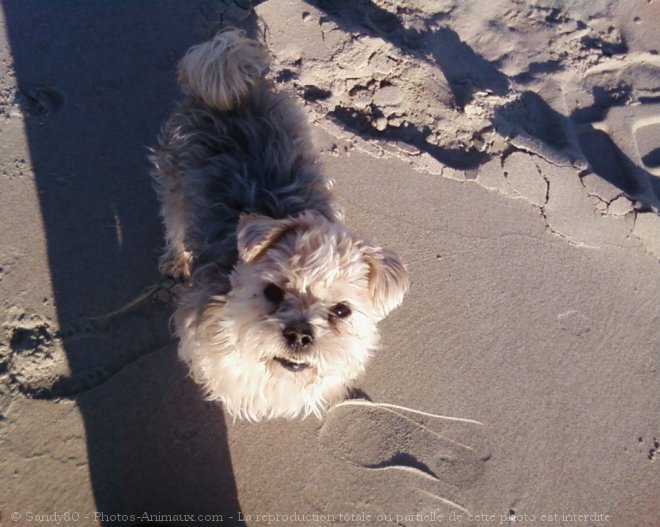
96	80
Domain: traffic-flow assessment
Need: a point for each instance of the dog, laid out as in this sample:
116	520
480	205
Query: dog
280	308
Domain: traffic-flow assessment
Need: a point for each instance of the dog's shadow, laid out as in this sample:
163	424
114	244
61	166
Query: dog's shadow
95	81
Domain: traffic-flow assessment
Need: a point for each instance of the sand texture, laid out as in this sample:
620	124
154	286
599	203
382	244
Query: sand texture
508	151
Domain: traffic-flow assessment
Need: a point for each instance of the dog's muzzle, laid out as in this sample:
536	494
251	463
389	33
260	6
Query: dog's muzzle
299	337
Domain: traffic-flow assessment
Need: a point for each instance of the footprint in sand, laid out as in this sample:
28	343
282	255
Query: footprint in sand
40	101
391	463
616	112
41	361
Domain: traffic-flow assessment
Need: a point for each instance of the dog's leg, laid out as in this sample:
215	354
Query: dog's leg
176	261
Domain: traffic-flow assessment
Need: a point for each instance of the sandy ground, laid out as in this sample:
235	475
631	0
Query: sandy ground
509	151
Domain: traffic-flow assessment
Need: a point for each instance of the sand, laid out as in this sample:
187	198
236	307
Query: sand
507	150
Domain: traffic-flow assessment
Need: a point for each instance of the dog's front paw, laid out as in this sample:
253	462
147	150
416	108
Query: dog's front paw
176	264
357	394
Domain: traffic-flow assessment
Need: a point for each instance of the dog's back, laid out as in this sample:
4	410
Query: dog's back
234	146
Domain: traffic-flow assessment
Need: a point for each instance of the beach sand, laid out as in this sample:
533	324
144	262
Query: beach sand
508	151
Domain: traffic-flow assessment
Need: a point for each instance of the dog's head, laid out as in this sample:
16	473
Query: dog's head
306	296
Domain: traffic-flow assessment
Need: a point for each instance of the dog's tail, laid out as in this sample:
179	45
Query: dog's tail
223	70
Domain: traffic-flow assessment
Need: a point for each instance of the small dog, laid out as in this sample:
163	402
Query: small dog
281	304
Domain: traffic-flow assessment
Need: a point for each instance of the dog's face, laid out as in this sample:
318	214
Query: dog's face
305	299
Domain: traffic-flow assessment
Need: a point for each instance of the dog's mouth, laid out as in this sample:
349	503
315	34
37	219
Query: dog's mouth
292	365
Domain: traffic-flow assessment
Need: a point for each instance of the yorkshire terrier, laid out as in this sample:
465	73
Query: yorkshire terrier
281	301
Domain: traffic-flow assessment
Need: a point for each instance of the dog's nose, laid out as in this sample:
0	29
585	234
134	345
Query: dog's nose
298	335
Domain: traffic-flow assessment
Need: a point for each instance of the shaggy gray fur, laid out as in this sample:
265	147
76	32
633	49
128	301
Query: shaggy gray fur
254	158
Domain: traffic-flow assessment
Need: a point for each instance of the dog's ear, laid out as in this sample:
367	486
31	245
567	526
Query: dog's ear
388	279
257	233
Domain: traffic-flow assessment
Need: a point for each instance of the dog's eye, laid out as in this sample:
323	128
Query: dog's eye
340	310
274	294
